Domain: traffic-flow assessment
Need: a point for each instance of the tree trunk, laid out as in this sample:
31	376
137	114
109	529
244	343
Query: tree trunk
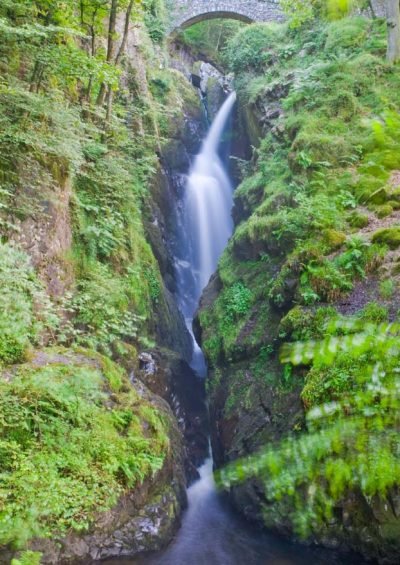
372	9
110	96
393	27
35	73
125	35
110	47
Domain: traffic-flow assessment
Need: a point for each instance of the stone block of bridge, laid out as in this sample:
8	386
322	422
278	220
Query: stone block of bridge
183	13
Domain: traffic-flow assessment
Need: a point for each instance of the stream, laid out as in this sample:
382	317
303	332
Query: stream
211	532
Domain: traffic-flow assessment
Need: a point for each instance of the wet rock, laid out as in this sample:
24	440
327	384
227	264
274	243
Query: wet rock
169	376
147	364
213	85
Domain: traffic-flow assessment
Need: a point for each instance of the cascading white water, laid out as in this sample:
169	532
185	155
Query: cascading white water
206	223
209	202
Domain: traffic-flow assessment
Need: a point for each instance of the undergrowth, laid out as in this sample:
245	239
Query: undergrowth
67	451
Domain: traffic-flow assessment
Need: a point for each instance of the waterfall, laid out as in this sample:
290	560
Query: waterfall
208	202
206	222
211	533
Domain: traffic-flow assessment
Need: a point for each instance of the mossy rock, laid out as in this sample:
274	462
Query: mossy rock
379	196
395	194
383	210
333	238
357	220
388	236
295	323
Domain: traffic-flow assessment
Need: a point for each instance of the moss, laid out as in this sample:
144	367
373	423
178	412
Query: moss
386	289
388	236
395	194
358	220
325	384
379	196
62	425
383	210
333	238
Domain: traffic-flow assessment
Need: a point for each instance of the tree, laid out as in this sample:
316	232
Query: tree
110	46
393	27
118	56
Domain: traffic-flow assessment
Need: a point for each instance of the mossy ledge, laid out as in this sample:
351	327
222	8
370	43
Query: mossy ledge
90	460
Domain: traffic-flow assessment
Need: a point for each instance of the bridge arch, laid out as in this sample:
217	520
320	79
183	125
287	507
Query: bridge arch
184	13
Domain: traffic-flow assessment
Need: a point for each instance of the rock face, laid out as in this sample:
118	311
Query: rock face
44	230
169	376
143	520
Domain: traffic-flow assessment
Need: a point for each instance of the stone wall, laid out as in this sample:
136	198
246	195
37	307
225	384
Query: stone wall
187	12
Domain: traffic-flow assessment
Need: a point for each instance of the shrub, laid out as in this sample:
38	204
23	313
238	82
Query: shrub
373	313
346	34
103	311
386	289
327	384
237	301
28	558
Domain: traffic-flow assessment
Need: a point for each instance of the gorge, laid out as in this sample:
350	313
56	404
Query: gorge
192	372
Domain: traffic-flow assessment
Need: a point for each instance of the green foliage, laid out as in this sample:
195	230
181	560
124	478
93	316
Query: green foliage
251	49
358	220
66	453
373	313
386	289
301	12
25	310
102	309
155	19
351	441
237	301
28	558
228	315
208	39
38	123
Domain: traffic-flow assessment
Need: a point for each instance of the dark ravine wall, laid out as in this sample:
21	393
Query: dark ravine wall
253	402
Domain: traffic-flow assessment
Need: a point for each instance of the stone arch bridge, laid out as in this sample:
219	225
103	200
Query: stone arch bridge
184	13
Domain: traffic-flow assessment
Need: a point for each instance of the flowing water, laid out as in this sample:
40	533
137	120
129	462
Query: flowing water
211	532
204	223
